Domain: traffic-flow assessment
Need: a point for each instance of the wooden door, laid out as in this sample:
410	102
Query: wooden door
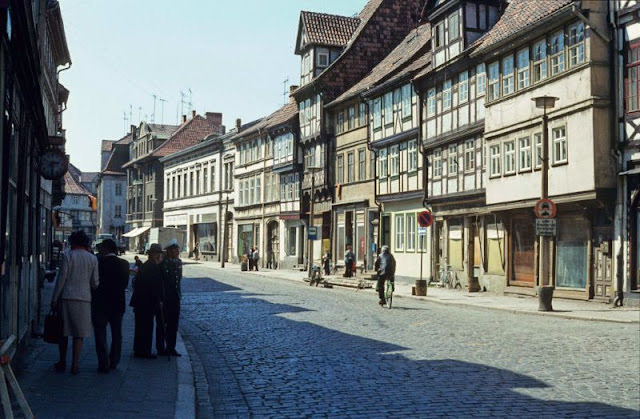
522	251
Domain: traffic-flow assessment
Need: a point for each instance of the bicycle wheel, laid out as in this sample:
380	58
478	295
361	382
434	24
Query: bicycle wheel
388	295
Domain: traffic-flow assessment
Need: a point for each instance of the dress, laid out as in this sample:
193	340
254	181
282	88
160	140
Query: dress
79	275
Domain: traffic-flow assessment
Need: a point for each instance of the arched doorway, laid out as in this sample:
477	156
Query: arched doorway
273	244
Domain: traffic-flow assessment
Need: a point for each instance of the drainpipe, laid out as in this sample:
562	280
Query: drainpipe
375	176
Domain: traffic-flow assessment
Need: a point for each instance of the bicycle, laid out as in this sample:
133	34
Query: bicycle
448	278
388	292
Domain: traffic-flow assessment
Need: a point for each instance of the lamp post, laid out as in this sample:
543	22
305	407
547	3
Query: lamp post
546	281
225	233
311	170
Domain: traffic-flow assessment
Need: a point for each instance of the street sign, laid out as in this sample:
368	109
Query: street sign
312	233
545	208
425	218
545	227
422	231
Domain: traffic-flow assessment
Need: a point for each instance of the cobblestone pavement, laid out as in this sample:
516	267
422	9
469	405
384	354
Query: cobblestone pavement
270	347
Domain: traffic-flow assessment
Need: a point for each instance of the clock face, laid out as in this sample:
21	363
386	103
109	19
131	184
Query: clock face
53	164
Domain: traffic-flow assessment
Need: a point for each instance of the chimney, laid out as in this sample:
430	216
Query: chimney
184	118
292	89
193	113
238	123
215	118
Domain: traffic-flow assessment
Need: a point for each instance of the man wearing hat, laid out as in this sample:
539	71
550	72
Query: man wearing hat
171	279
146	301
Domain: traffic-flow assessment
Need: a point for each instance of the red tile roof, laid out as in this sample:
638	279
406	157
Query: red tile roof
72	183
519	15
283	114
330	30
190	133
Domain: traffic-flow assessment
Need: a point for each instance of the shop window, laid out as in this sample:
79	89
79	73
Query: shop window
495	247
571	253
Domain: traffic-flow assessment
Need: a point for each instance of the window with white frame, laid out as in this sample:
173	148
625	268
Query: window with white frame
258	190
388	108
340	169
452	159
494	80
394	160
399	225
509	157
540	60
406	100
351	121
372	164
411	232
361	164
446	95
437	163
507	75
463	86
323	59
576	44
431	102
252	190
523	68
382	163
362	114
351	167
340	123
494	153
524	154
439	35
537	140
559	136
377	113
454	26
557	53
469	155
412	156
481	80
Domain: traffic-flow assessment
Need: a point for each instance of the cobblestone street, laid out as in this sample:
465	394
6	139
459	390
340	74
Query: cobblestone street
266	346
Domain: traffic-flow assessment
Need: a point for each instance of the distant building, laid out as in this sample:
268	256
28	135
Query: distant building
75	212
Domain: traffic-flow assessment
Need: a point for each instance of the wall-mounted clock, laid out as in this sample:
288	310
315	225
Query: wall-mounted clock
53	164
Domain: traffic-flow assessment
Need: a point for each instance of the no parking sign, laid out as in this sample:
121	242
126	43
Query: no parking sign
425	218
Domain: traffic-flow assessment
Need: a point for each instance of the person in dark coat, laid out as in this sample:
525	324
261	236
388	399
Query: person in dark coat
146	301
386	271
349	258
171	280
108	304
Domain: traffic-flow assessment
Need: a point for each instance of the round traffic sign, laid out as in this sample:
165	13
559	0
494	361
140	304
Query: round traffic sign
425	218
545	208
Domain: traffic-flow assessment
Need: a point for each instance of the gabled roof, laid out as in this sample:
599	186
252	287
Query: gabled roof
326	29
282	115
161	130
191	132
517	17
72	183
411	55
107	145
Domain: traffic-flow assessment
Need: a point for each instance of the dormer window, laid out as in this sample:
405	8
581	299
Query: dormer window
323	59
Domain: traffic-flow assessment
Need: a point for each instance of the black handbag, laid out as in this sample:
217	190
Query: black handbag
53	327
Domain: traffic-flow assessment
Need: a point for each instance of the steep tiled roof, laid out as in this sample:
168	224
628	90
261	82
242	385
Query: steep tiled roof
410	55
191	132
518	15
325	29
162	130
283	114
72	183
126	139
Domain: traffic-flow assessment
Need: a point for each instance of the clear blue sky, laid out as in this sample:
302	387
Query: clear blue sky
233	55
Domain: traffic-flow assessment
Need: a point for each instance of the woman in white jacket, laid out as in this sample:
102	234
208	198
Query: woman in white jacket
72	297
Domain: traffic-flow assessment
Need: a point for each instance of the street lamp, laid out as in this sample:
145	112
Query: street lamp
311	170
546	281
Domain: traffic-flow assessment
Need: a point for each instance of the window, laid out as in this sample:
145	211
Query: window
632	87
340	123
362	114
559	145
557	53
377	113
463	86
439	35
481	80
412	156
388	108
431	102
452	157
494	152
524	153
406	100
469	155
399	232
213	177
323	59
411	231
509	157
437	163
118	211
523	68
576	44
494	80
205	179
372	164
351	121
394	160
540	61
118	189
258	190
454	27
361	164
446	95
340	169
507	75
537	138
351	170
382	163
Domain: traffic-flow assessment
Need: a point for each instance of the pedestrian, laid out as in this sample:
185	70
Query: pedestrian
196	251
171	280
72	297
255	256
146	302
349	258
326	263
108	304
138	262
386	271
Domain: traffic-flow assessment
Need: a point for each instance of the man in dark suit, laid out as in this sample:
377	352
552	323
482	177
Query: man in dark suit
108	304
171	281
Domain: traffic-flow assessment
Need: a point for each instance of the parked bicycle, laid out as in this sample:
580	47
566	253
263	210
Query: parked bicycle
448	278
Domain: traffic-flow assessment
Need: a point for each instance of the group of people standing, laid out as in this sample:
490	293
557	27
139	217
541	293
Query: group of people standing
253	256
90	294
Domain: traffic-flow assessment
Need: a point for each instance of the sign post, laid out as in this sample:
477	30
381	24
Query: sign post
425	219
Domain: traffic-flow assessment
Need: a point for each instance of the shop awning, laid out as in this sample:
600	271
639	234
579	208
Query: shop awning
136	232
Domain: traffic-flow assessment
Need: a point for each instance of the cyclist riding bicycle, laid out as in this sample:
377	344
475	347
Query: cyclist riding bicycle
386	271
